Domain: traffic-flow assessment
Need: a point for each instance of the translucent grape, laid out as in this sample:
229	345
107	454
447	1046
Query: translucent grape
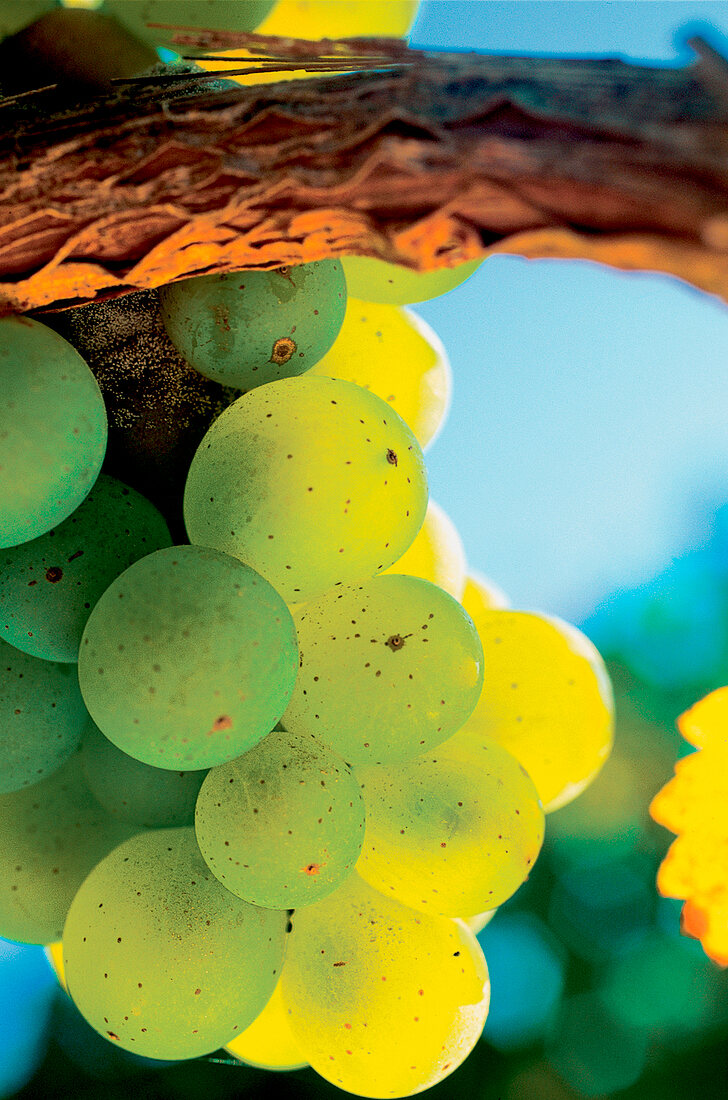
378	281
312	481
268	1043
51	835
188	659
253	327
49	585
339	18
281	826
44	717
478	922
547	699
396	355
163	960
454	832
136	792
54	954
139	16
388	669
52	429
437	554
383	1001
482	595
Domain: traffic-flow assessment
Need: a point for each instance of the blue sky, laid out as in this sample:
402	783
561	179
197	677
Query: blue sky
588	437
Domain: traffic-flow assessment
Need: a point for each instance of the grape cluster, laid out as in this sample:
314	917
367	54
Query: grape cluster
267	783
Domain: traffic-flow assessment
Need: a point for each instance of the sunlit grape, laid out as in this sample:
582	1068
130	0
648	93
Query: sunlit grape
436	555
43	717
312	481
163	960
395	354
282	825
339	18
383	1001
188	659
478	922
453	832
546	698
155	20
51	835
378	281
49	585
268	1042
52	429
388	669
136	792
253	327
482	595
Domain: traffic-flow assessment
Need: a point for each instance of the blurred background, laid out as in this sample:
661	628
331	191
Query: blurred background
585	463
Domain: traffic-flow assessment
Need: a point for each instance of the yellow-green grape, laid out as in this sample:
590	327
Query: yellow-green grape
383	1001
253	327
268	1043
378	281
136	792
160	958
388	669
43	717
283	825
16	14
188	659
339	18
437	554
454	832
52	429
547	699
482	595
51	835
314	482
395	354
49	585
155	20
54	954
478	922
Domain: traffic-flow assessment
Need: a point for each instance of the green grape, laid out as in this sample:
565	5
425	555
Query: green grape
383	1001
253	327
437	554
396	355
188	659
163	960
49	585
312	481
409	693
140	16
16	14
452	833
547	699
281	826
268	1042
44	717
52	429
378	281
51	835
136	792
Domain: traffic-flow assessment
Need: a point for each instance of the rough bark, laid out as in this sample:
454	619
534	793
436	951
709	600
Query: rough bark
438	159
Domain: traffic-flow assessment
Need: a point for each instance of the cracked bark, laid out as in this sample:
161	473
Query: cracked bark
435	161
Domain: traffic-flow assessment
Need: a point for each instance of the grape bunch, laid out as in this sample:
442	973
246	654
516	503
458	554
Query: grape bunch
273	753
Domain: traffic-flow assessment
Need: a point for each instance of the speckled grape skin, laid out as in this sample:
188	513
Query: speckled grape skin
48	586
283	825
188	659
455	832
51	835
163	960
313	481
43	717
135	792
398	648
383	1001
52	429
253	327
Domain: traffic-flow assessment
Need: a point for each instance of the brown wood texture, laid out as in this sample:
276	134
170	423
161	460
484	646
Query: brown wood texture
431	162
